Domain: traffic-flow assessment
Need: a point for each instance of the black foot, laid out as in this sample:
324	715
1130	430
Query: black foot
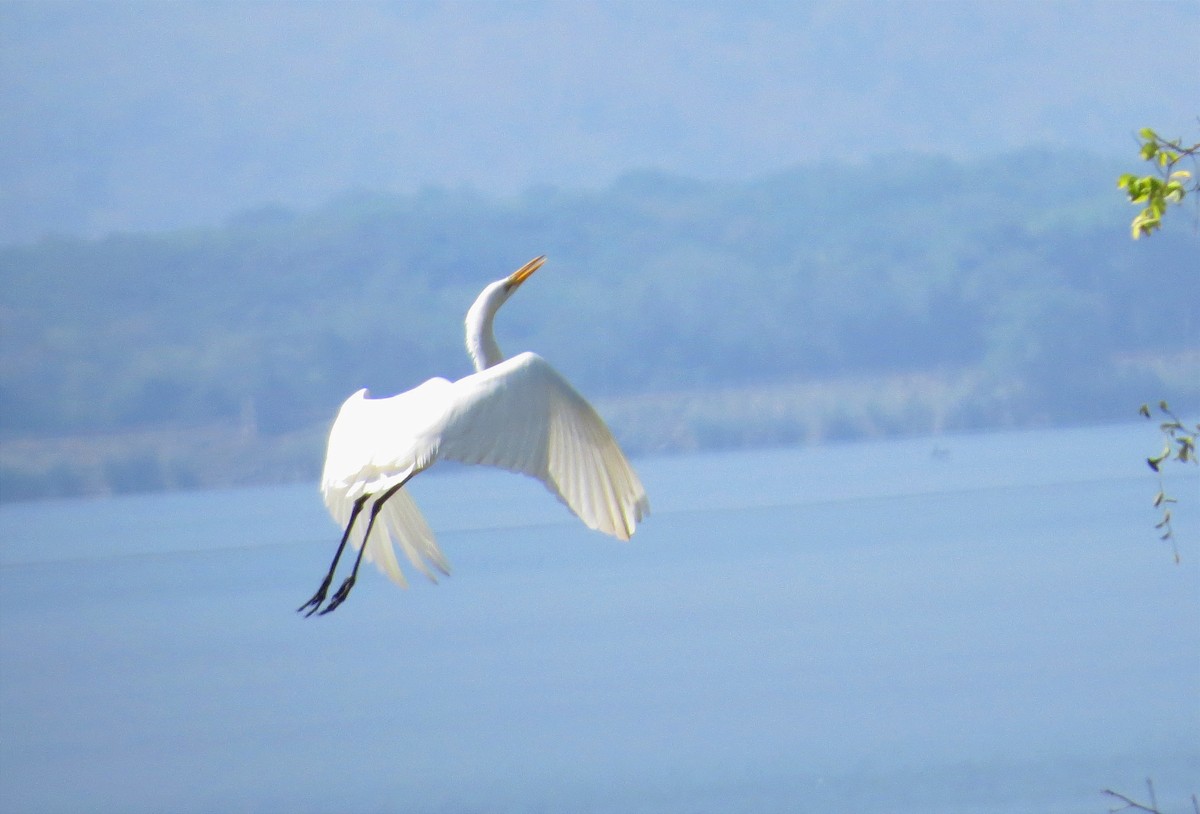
317	599
340	596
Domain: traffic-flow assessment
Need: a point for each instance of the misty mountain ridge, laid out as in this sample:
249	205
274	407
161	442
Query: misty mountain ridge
130	116
903	294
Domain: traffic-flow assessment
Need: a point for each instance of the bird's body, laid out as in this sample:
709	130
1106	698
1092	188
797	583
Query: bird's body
517	414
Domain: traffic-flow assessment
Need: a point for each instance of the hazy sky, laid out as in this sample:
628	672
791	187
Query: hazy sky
145	115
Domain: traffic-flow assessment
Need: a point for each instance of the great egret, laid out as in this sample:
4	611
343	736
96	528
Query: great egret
517	414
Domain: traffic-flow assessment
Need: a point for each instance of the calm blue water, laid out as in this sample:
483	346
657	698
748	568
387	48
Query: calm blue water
868	627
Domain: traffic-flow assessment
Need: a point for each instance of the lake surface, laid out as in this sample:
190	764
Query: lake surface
964	624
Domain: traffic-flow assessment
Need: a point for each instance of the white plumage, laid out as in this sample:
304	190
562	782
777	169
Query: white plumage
517	414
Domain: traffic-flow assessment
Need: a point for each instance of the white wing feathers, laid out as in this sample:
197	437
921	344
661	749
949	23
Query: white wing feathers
519	415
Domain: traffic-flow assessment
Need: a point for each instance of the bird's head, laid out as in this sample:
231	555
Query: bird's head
501	290
480	341
513	281
497	293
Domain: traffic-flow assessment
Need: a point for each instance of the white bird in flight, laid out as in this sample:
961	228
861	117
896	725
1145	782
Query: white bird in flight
517	414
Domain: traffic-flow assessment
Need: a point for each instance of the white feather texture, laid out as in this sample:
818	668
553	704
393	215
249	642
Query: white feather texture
517	414
521	415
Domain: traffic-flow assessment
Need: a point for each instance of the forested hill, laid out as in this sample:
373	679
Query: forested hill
1016	272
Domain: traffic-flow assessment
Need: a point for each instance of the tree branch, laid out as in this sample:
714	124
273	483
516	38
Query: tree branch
1130	803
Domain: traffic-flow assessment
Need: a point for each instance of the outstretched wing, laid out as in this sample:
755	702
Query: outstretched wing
523	416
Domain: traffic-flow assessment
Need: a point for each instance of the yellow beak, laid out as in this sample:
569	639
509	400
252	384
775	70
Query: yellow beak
520	275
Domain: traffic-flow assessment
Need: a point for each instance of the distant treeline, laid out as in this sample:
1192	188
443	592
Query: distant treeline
1018	269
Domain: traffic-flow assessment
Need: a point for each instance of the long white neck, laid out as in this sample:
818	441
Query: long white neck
481	337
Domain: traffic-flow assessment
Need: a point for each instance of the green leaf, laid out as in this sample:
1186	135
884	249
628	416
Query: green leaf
1144	410
1187	448
1145	223
1148	134
1155	462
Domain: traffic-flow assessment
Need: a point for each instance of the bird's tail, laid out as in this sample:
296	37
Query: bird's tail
401	523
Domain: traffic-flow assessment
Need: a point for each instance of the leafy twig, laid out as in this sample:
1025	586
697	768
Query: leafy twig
1179	443
1166	186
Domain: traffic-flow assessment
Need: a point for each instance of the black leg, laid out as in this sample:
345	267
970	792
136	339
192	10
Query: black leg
319	596
344	590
